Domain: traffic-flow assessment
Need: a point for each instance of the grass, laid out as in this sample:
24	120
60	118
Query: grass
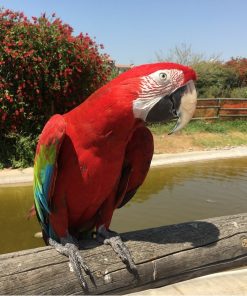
199	135
202	126
223	140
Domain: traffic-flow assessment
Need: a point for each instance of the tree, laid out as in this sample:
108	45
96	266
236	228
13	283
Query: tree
214	79
183	54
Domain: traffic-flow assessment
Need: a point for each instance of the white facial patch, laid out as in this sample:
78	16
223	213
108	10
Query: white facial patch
141	107
153	88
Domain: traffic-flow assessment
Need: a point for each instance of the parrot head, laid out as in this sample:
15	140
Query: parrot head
166	91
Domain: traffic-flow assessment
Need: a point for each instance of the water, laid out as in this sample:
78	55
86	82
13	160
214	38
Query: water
169	195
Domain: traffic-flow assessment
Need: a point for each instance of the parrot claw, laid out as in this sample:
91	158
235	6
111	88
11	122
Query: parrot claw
113	239
70	250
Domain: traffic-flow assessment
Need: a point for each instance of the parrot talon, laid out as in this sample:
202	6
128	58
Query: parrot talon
113	239
71	251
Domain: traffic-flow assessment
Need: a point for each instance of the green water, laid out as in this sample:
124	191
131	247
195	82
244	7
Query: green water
170	195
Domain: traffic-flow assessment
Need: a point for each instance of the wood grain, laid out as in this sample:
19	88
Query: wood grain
163	255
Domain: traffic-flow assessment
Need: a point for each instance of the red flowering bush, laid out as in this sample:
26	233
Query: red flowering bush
44	69
239	65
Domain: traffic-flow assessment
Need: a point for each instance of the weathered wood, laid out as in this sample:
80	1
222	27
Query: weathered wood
221	108
163	255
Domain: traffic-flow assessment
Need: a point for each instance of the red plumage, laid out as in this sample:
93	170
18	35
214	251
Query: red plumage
104	156
101	140
92	159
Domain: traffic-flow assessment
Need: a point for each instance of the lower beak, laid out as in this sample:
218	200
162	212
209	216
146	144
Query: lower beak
187	106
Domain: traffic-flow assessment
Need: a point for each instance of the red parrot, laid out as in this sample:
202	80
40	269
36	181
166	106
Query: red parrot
91	160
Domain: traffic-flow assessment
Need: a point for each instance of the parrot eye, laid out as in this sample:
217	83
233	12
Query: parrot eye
163	76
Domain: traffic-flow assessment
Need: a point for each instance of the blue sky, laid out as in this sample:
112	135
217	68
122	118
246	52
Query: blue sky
133	31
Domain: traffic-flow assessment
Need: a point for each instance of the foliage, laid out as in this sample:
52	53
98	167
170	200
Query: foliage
239	92
44	69
17	150
114	73
239	65
215	79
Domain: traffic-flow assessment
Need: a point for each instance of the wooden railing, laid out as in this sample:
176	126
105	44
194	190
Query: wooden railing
163	255
221	108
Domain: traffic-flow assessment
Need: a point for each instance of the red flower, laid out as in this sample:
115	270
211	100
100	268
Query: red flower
38	53
4	116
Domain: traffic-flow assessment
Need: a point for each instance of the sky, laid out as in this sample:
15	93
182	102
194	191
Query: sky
134	31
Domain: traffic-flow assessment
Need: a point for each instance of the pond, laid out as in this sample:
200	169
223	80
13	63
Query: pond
170	194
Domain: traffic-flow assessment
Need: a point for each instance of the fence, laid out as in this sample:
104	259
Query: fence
221	108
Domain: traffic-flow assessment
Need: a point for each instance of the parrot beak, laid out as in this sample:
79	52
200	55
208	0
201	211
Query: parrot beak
187	106
180	104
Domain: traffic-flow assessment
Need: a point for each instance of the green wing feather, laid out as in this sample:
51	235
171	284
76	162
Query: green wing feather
45	167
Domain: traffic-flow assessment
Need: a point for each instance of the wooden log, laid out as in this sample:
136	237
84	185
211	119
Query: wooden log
163	255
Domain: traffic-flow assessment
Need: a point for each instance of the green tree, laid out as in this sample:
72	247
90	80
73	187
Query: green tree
215	79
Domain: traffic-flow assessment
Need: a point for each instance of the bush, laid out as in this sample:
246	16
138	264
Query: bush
17	150
239	65
44	69
215	79
239	92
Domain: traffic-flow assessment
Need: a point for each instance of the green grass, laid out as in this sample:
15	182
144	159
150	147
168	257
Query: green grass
200	126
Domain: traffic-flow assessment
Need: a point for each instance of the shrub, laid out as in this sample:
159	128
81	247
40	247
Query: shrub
44	69
239	92
17	150
215	79
239	65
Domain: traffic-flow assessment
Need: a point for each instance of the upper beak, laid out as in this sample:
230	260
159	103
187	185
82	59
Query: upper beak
187	106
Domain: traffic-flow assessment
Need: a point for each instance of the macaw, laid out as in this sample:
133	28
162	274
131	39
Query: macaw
91	160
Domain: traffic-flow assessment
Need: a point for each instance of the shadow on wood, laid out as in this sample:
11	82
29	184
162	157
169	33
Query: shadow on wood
163	255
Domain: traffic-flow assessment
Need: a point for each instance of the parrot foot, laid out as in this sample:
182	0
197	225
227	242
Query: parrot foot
113	239
69	248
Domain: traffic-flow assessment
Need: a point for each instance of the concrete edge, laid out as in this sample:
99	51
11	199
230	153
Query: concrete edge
180	158
25	176
231	282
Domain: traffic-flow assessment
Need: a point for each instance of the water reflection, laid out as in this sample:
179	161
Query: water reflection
169	195
17	233
182	193
210	172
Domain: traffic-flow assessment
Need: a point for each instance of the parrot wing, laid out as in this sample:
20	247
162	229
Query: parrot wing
138	156
45	166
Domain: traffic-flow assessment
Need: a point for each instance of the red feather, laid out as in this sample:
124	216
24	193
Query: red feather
105	154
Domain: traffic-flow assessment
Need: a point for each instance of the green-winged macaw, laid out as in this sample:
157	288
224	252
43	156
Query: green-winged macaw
91	160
